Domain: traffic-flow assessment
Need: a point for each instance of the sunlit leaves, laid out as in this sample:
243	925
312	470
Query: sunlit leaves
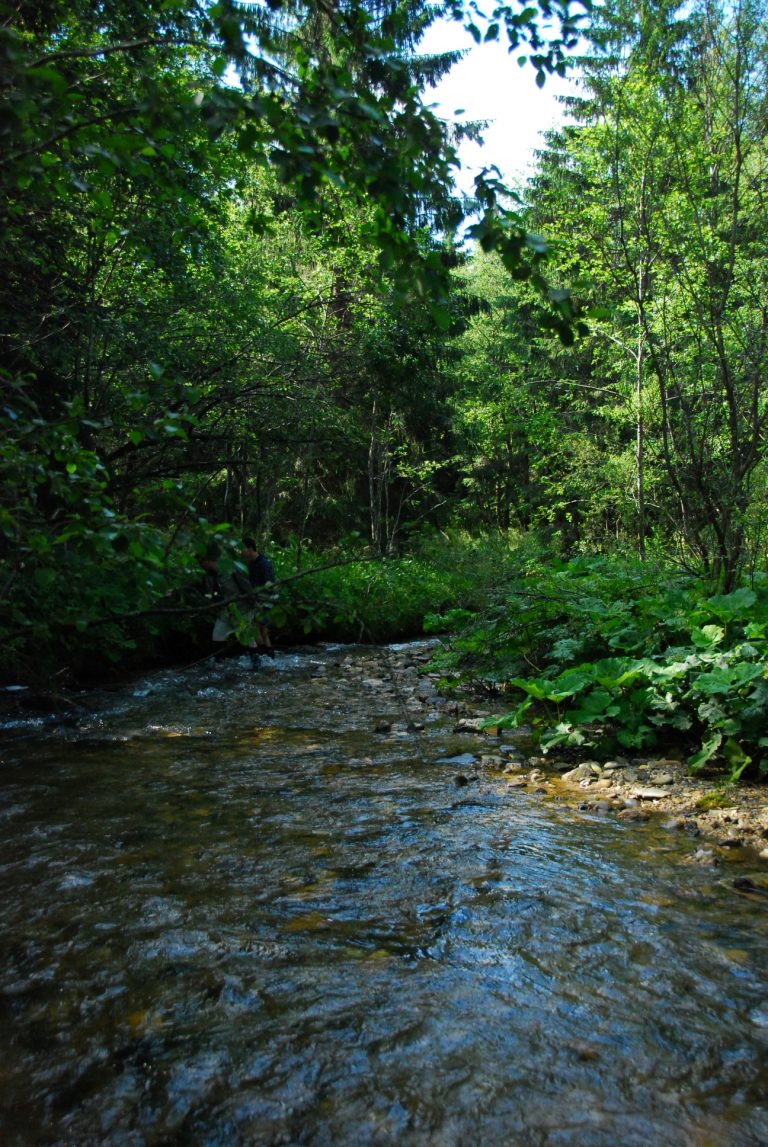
669	674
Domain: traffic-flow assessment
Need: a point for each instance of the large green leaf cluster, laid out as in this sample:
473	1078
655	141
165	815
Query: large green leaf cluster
615	654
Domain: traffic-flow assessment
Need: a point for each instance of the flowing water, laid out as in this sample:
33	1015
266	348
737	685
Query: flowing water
233	913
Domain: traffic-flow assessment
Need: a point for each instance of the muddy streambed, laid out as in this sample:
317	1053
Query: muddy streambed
288	907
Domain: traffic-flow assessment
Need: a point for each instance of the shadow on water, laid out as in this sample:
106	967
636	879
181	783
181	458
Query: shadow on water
235	914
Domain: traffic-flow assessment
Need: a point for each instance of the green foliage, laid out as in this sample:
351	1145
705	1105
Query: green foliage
223	297
231	302
326	97
618	654
659	184
392	599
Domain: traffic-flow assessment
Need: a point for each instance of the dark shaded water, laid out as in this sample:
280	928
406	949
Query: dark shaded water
234	914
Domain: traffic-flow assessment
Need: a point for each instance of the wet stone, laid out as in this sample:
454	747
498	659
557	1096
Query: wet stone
649	793
704	856
674	824
462	759
462	780
469	725
602	806
633	814
582	772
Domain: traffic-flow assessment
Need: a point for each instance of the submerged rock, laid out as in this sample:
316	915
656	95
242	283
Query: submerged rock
462	780
633	813
462	759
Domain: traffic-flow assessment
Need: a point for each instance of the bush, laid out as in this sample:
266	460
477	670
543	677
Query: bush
386	599
614	653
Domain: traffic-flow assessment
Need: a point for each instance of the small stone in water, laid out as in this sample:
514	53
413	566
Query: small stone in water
462	780
636	813
463	759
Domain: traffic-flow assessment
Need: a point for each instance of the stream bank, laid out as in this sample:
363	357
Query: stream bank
730	820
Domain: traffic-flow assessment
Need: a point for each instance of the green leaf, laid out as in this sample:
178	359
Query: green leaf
717	681
705	753
707	636
735	604
441	316
596	703
535	689
563	733
45	577
737	759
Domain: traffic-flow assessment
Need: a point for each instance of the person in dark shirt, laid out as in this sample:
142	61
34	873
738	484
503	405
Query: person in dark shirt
233	586
260	574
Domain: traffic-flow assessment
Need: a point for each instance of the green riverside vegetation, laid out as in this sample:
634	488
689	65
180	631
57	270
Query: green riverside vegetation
621	655
239	295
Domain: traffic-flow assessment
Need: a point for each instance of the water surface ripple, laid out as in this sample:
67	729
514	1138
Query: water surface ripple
235	914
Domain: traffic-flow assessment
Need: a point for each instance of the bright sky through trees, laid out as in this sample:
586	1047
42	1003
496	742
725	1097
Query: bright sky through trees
489	84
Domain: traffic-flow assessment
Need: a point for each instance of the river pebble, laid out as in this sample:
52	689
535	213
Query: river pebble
649	794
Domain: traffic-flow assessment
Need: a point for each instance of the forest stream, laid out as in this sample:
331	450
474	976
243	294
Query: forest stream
287	907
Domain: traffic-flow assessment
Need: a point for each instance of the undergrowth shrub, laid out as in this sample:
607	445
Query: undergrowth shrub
388	599
611	653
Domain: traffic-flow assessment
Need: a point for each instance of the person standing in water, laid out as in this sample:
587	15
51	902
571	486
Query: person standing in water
229	587
260	574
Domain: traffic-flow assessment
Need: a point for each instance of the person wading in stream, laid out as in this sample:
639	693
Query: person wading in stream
234	585
260	574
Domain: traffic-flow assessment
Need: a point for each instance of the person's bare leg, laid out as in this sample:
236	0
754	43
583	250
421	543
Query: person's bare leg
265	644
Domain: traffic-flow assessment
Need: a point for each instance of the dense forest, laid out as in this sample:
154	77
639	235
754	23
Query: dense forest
240	295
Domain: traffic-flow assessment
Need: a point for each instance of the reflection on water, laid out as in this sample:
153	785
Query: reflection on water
235	914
